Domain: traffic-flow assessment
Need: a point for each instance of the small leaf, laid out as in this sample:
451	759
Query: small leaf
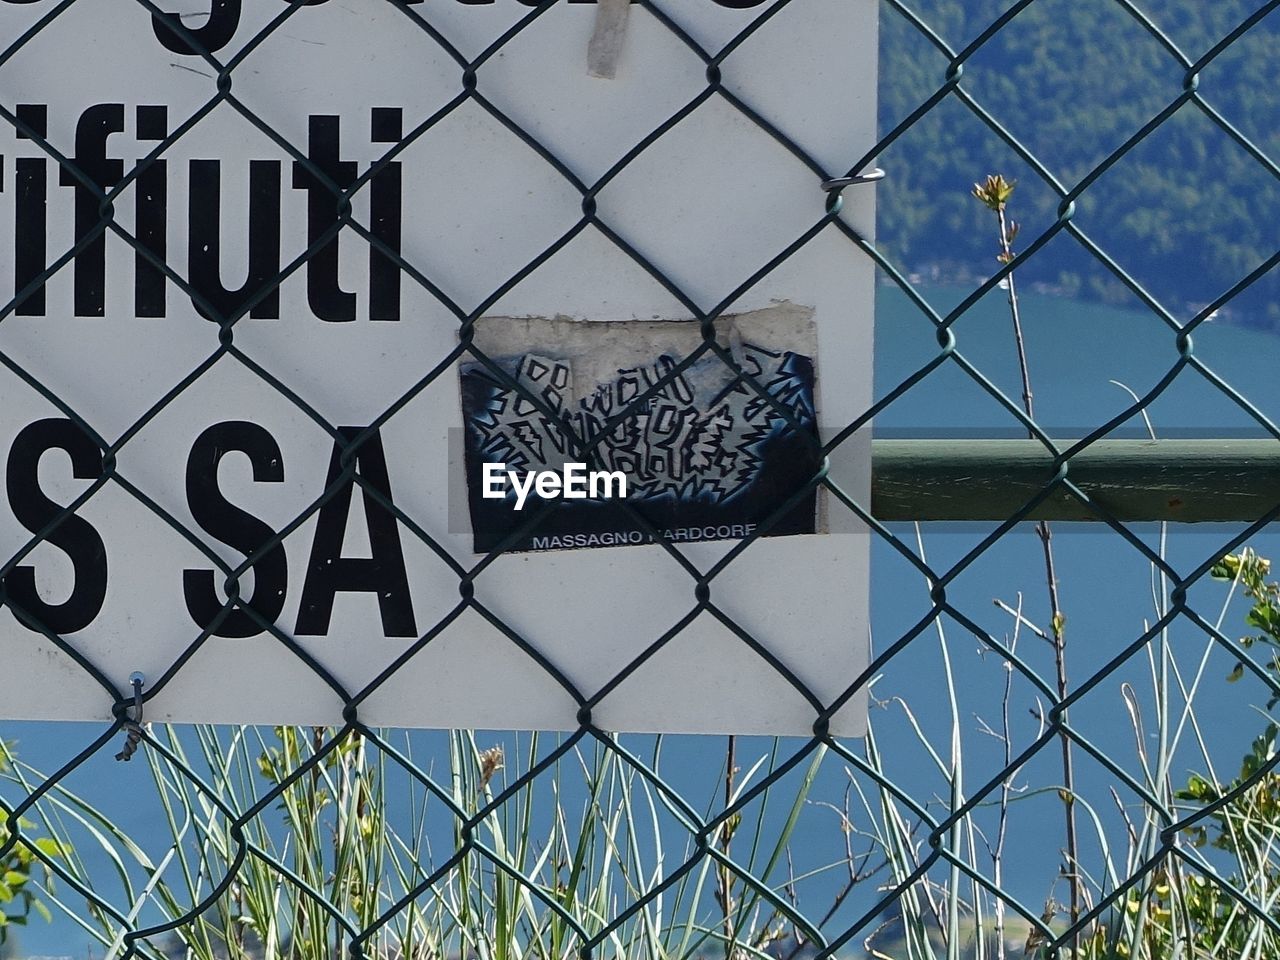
1236	673
994	191
1260	616
730	827
1226	568
1197	789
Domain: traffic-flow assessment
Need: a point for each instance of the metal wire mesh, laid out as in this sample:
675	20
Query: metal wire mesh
592	930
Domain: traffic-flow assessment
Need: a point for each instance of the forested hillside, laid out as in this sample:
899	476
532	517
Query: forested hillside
1188	212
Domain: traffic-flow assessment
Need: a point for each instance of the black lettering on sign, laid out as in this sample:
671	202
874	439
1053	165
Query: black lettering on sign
150	214
74	535
30	225
96	124
383	573
224	18
205	240
386	126
327	299
235	527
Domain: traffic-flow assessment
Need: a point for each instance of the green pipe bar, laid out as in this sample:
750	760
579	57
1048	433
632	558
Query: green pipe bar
1186	481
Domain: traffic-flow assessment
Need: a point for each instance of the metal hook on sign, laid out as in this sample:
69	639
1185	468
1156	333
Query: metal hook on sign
133	725
839	183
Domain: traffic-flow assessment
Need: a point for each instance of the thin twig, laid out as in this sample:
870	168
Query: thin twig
995	194
724	876
1006	787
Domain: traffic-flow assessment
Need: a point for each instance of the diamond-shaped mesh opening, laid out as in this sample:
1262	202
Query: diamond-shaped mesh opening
1111	79
1206	159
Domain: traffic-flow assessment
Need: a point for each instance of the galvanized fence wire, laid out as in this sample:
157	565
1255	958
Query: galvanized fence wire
593	938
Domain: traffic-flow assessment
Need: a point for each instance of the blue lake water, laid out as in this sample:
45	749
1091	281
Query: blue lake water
1076	351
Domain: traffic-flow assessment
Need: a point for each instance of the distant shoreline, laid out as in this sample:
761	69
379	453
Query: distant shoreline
935	275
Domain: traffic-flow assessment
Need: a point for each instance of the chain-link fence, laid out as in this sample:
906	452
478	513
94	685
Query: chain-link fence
992	808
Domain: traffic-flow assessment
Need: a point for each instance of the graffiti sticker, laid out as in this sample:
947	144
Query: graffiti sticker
710	444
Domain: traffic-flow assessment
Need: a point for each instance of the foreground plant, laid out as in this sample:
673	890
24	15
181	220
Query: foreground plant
20	869
1224	902
315	844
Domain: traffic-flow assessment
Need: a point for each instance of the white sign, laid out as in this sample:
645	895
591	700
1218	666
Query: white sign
383	593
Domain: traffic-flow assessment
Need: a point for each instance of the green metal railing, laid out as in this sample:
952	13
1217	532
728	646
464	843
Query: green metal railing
1179	481
1091	477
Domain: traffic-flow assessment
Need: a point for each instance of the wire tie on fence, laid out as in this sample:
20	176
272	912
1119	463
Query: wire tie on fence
133	725
839	183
